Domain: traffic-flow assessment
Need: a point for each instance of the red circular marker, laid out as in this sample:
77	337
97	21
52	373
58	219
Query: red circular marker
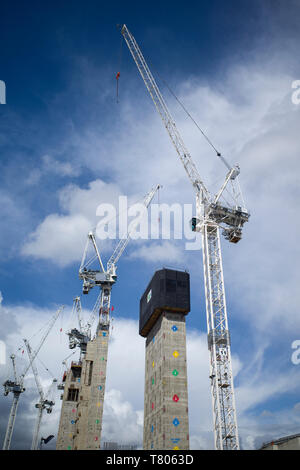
175	398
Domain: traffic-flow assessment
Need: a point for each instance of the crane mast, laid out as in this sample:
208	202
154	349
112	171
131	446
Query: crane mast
211	216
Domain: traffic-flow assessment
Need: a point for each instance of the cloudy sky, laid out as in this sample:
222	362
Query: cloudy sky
68	145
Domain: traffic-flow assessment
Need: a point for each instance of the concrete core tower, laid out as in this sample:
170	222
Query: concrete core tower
163	307
83	399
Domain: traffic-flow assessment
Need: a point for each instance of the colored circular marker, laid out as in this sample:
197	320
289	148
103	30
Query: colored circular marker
175	353
175	372
176	398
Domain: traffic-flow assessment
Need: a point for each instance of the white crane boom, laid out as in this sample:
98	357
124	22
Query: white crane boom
34	369
210	216
49	328
107	277
124	241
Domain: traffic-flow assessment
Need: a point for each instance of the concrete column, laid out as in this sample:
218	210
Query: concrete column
166	425
68	415
91	399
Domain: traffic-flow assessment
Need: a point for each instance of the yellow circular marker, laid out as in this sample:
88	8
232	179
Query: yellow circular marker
153	364
175	353
98	404
176	448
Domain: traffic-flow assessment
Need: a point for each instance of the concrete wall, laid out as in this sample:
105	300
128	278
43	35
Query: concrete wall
68	416
166	424
81	421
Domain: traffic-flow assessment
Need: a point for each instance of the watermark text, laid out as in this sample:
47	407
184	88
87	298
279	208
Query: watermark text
295	358
296	93
2	92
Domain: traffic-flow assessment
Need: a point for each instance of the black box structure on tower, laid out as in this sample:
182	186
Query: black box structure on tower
168	290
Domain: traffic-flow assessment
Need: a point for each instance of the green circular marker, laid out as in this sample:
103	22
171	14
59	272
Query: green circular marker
97	421
69	447
175	372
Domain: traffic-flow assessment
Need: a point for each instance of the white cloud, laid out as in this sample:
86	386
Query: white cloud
60	168
164	251
123	409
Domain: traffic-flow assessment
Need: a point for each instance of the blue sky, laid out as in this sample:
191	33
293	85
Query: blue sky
67	145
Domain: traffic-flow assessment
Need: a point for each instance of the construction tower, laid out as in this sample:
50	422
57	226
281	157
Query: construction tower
163	308
83	398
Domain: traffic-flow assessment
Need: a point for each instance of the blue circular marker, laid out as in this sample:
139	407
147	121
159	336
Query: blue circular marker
175	422
174	328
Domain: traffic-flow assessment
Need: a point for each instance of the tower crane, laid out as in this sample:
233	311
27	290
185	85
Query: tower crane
106	278
79	336
44	403
211	215
16	386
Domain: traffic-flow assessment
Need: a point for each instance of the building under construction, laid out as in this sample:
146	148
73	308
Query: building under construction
163	308
83	398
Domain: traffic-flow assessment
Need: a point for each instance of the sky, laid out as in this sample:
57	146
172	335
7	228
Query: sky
68	144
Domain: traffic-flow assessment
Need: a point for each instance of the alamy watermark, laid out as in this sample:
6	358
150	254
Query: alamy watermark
296	93
159	221
2	92
295	358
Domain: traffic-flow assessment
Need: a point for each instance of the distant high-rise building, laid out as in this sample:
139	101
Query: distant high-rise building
163	308
284	443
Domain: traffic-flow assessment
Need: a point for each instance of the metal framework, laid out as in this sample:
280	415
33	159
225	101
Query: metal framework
17	387
212	214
